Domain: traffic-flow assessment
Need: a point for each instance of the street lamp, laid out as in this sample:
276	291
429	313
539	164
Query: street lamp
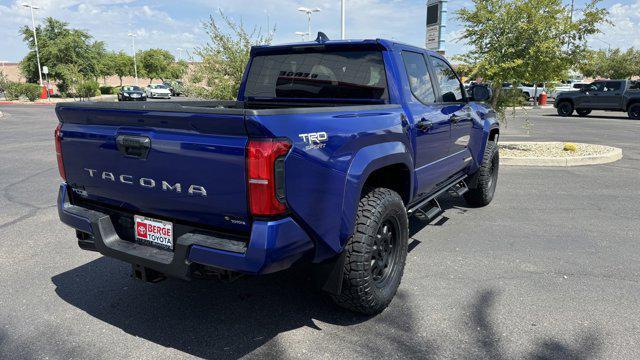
35	38
309	12
343	20
135	62
301	34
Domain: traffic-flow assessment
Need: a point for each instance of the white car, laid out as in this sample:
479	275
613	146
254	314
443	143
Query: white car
158	91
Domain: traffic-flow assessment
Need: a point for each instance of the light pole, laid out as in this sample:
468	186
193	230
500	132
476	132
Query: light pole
179	53
35	38
301	34
343	20
309	12
604	42
135	62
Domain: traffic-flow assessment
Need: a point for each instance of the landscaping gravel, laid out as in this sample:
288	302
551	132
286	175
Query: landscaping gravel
550	150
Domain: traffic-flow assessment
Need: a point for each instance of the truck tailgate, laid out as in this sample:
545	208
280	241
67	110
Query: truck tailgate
177	166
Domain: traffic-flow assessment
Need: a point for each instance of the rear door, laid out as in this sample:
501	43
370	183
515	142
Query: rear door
612	94
431	126
592	97
178	166
454	106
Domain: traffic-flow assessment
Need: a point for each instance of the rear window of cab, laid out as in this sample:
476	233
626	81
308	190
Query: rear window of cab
346	75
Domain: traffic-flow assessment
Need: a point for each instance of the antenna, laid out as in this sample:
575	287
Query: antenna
322	37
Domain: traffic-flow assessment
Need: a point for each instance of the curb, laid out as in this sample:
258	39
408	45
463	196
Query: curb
614	155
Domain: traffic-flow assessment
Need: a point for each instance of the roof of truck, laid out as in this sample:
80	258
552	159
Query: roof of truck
384	43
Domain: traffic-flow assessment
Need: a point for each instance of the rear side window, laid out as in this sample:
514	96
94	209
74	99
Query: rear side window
613	85
450	86
635	85
348	75
419	79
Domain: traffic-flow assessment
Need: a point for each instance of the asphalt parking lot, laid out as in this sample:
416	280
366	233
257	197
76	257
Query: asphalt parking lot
550	270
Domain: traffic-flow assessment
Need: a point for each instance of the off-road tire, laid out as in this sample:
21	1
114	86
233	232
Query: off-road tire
364	289
565	108
583	112
634	112
486	178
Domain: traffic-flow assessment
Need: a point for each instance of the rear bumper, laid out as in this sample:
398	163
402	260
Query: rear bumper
273	245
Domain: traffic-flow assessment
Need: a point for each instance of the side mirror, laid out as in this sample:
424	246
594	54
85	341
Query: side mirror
480	92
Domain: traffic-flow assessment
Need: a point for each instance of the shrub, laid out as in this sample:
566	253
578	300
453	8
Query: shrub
106	90
12	90
88	88
115	90
570	147
31	91
3	81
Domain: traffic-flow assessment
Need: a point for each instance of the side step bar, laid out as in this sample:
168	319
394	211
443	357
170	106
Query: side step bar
457	186
432	211
459	189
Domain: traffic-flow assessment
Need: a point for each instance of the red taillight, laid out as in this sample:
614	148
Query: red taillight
58	137
265	175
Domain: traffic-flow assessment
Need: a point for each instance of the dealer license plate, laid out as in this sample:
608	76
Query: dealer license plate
154	232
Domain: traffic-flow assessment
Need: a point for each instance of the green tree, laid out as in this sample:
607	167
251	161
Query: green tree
155	63
525	40
122	65
592	64
224	58
177	70
61	47
611	64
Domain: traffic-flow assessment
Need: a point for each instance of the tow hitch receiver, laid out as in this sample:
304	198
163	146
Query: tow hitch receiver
145	274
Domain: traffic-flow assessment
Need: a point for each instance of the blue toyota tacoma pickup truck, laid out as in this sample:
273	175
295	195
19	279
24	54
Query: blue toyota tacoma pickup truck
329	148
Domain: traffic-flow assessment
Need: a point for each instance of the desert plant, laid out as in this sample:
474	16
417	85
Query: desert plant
224	57
30	91
88	88
106	90
3	81
12	90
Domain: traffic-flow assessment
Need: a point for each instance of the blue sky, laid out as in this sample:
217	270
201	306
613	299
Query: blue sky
177	24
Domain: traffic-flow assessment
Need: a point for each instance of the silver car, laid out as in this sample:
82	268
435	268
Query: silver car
158	91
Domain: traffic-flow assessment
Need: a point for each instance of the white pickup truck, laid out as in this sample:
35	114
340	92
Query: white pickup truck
567	86
529	91
532	91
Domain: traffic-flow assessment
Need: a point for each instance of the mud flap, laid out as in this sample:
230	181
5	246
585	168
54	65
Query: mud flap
327	275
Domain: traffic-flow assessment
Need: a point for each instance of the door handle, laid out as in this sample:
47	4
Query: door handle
133	146
424	124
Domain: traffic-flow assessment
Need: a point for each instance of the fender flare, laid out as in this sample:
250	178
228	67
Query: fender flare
367	160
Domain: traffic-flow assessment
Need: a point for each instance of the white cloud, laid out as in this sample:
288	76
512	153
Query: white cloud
625	29
106	20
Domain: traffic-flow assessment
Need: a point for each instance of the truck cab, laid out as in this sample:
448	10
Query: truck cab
611	95
328	149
